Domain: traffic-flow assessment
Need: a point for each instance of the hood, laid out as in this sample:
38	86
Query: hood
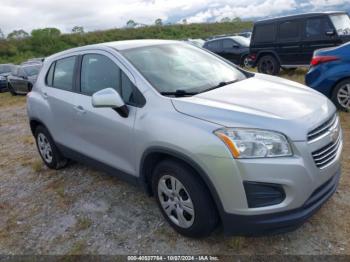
261	101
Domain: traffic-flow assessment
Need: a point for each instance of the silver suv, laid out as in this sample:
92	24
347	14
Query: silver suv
214	144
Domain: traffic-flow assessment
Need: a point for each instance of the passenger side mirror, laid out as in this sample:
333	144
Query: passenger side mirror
235	46
108	97
24	77
330	33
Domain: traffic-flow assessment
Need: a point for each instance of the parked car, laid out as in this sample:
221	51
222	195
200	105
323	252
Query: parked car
211	142
245	34
197	42
22	78
232	48
290	41
329	74
5	70
38	60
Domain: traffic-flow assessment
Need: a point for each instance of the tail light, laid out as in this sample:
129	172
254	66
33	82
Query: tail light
316	60
252	57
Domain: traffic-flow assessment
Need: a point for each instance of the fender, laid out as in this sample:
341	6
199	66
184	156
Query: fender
173	153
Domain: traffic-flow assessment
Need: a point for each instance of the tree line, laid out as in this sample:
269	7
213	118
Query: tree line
19	45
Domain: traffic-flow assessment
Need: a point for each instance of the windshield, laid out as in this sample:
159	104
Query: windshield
243	41
173	67
341	24
5	69
32	70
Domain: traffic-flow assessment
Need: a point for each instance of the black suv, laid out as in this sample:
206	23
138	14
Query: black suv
289	42
233	48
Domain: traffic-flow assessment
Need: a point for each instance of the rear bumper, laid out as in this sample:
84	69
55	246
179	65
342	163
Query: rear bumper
280	222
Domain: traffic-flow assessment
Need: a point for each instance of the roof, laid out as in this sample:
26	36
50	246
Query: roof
117	45
227	37
304	15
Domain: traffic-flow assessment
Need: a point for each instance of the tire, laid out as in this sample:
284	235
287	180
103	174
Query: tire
12	91
341	95
268	64
48	151
198	221
244	61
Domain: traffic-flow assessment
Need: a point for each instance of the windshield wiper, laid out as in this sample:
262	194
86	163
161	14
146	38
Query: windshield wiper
179	93
221	84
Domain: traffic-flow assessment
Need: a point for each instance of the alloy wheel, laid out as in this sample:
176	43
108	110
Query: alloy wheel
45	148
176	201
343	96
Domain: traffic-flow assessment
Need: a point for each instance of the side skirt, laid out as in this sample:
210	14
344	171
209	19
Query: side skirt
81	158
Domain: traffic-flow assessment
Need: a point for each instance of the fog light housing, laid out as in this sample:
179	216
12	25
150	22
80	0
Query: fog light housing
263	194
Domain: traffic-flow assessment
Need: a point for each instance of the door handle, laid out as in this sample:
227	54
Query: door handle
45	95
80	109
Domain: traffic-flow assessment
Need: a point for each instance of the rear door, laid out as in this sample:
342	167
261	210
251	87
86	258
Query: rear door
21	81
289	36
315	36
60	93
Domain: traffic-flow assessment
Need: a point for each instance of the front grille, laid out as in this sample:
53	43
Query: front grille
326	154
322	129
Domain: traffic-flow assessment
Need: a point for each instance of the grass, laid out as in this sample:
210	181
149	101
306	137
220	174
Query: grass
83	223
8	100
78	248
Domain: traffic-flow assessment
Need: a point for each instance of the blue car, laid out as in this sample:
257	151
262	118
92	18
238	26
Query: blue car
330	74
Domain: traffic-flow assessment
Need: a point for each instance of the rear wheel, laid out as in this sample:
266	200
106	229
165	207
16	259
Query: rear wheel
245	62
341	95
183	199
48	150
268	64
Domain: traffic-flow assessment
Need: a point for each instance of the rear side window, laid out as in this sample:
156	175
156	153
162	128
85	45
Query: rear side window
289	31
64	73
317	28
49	76
227	44
264	33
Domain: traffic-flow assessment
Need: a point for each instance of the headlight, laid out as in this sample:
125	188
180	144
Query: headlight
254	143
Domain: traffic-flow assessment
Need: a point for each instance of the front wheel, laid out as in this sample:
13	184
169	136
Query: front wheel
268	64
183	199
341	95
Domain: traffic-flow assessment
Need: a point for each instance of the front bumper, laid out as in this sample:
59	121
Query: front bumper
283	221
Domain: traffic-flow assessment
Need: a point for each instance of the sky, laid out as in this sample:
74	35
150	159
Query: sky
106	14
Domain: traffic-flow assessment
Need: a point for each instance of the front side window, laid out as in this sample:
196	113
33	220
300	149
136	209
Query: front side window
99	72
289	30
317	28
180	67
64	73
341	24
214	45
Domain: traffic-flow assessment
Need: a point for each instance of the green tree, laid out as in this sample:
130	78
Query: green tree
236	20
225	20
2	36
131	23
158	22
47	41
17	34
78	30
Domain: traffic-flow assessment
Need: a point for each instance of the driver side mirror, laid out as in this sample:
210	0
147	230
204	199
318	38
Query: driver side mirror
235	46
108	97
24	77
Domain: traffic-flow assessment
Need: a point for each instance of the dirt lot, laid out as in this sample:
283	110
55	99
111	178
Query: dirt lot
81	211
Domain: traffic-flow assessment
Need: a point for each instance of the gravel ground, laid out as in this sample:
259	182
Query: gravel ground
79	210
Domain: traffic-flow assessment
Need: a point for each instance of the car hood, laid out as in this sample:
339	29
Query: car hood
261	101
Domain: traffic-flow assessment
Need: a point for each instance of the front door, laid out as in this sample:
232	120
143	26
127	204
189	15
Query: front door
102	133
